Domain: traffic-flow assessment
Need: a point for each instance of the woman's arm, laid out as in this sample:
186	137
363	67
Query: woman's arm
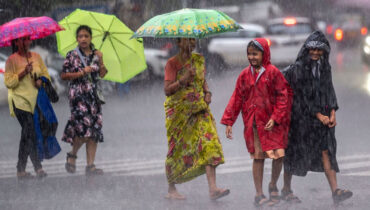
72	75
11	77
102	70
170	87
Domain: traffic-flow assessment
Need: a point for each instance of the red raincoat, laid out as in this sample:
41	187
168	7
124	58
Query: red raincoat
268	97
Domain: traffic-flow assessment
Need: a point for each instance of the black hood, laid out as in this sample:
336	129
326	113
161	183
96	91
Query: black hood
316	40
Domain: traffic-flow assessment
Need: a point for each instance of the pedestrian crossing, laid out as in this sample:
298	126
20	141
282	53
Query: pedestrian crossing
353	165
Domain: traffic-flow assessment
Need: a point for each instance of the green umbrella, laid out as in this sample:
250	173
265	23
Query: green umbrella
187	23
123	57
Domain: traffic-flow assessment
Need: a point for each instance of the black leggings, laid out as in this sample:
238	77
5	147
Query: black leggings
27	145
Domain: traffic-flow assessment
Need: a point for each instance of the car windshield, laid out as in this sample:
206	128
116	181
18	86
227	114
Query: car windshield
299	28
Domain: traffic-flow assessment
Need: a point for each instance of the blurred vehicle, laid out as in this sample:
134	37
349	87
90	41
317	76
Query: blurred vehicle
347	29
231	48
365	50
56	81
286	37
3	89
156	60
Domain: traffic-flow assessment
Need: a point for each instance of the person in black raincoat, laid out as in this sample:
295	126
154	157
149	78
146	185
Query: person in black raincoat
312	145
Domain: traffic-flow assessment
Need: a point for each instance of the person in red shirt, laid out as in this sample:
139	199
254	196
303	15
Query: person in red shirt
264	97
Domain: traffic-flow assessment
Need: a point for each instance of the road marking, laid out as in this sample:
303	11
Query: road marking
353	165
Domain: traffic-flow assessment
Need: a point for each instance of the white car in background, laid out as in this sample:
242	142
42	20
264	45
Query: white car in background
3	88
286	37
156	60
232	47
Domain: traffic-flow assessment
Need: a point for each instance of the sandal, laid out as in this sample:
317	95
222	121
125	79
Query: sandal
340	195
274	199
24	175
260	200
41	174
220	194
288	196
70	168
92	171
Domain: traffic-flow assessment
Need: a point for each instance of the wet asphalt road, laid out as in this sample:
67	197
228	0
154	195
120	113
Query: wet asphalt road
135	148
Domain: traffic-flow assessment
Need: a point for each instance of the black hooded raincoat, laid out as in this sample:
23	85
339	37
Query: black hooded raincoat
308	137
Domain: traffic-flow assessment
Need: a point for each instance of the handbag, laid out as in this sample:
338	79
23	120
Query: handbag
49	89
97	91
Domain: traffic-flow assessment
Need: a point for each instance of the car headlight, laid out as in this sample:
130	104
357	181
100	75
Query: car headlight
367	40
367	49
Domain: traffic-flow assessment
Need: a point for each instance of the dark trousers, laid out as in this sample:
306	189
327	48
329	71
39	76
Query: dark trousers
27	146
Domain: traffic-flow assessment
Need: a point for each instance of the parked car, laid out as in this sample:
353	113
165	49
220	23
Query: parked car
231	47
3	89
156	60
286	37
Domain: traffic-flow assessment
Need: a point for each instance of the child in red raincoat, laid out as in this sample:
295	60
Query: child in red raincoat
264	97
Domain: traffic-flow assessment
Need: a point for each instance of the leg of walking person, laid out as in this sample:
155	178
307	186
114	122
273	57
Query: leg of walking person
173	193
277	165
27	146
70	165
258	165
286	192
330	174
214	191
32	146
91	147
337	194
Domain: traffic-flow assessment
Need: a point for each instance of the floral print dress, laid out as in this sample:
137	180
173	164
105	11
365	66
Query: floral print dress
193	141
86	113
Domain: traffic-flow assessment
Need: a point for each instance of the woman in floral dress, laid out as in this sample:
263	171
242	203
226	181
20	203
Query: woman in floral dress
193	143
85	123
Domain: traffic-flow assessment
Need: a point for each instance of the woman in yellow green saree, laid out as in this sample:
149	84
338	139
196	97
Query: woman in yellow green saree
194	147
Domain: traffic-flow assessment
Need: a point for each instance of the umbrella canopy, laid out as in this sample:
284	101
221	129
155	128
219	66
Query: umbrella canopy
123	57
187	23
35	27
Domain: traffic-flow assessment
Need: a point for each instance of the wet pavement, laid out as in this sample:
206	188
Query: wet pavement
135	148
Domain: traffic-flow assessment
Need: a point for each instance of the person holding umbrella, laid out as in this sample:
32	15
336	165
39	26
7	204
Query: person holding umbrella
194	145
81	68
23	70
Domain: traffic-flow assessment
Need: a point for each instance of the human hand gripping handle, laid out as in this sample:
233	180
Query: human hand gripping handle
229	132
188	76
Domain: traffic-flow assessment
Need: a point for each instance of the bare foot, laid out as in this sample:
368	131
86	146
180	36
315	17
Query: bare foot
174	195
218	193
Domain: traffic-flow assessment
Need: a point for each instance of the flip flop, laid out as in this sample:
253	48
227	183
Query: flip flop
175	197
220	194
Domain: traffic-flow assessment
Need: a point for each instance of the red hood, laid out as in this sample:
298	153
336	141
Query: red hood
266	51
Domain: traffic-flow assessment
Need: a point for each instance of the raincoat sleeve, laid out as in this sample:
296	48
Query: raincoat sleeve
44	70
333	104
235	104
11	78
281	108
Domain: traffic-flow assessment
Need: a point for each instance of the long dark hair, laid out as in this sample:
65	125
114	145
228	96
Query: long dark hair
14	46
86	28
